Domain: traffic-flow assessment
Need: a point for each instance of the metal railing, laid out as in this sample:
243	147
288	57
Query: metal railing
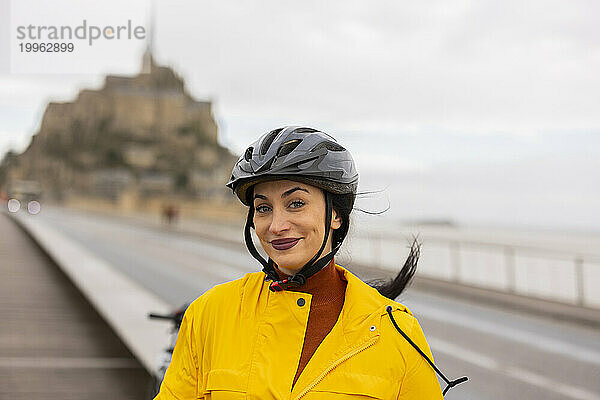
565	276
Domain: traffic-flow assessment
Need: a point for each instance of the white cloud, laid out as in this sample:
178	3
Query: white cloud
476	66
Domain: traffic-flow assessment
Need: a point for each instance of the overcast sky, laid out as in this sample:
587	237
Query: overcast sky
482	112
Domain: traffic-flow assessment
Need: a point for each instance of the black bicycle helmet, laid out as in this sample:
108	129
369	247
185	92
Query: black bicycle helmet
300	154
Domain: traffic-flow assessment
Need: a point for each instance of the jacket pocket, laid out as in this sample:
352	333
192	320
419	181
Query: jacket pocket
225	384
350	386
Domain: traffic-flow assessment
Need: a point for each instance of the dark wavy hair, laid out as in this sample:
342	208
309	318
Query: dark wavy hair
343	204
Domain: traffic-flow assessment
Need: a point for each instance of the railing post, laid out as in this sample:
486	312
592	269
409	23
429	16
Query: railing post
579	281
510	265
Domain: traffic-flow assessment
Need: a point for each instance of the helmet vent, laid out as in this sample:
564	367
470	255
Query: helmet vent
331	146
305	130
288	147
267	166
268	141
248	153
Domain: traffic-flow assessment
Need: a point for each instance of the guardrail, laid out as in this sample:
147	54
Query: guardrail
569	277
557	275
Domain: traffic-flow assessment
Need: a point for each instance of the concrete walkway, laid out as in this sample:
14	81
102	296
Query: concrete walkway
53	344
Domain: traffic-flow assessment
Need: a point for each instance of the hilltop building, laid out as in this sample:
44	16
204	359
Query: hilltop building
143	138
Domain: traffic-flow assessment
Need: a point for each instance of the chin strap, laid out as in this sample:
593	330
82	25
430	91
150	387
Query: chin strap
309	269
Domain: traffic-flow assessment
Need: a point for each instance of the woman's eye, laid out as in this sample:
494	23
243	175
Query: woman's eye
296	204
262	209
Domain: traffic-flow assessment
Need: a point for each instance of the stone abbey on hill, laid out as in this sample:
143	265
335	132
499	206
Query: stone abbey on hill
143	135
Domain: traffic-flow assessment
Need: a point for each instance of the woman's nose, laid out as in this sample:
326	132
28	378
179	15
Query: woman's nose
279	223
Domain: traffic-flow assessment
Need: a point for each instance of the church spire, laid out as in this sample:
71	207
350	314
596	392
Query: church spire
148	59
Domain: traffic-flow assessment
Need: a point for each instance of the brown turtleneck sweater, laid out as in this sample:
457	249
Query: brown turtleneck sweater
327	288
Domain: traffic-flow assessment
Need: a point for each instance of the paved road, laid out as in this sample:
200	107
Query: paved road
506	355
53	345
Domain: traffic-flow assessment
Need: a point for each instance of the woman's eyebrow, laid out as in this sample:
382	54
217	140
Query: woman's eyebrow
288	192
284	194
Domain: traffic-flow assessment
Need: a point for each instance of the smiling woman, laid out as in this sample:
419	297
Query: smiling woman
304	327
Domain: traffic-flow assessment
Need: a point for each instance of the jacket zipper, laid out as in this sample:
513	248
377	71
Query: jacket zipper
335	364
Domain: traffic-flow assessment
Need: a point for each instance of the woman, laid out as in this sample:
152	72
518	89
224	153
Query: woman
304	327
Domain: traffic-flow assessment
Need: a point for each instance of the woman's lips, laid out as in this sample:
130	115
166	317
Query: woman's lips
284	244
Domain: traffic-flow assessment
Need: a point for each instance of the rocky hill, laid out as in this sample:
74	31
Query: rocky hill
143	135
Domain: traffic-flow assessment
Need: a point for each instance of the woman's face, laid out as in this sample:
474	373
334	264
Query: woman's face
289	218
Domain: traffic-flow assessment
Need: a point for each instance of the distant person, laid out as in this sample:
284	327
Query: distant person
170	214
304	327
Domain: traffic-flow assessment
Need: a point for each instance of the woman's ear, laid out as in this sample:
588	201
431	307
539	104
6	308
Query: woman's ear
336	220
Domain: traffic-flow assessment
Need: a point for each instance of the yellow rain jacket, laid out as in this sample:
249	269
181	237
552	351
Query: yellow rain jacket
240	340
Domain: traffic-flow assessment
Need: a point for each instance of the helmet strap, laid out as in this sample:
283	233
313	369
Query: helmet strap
268	266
